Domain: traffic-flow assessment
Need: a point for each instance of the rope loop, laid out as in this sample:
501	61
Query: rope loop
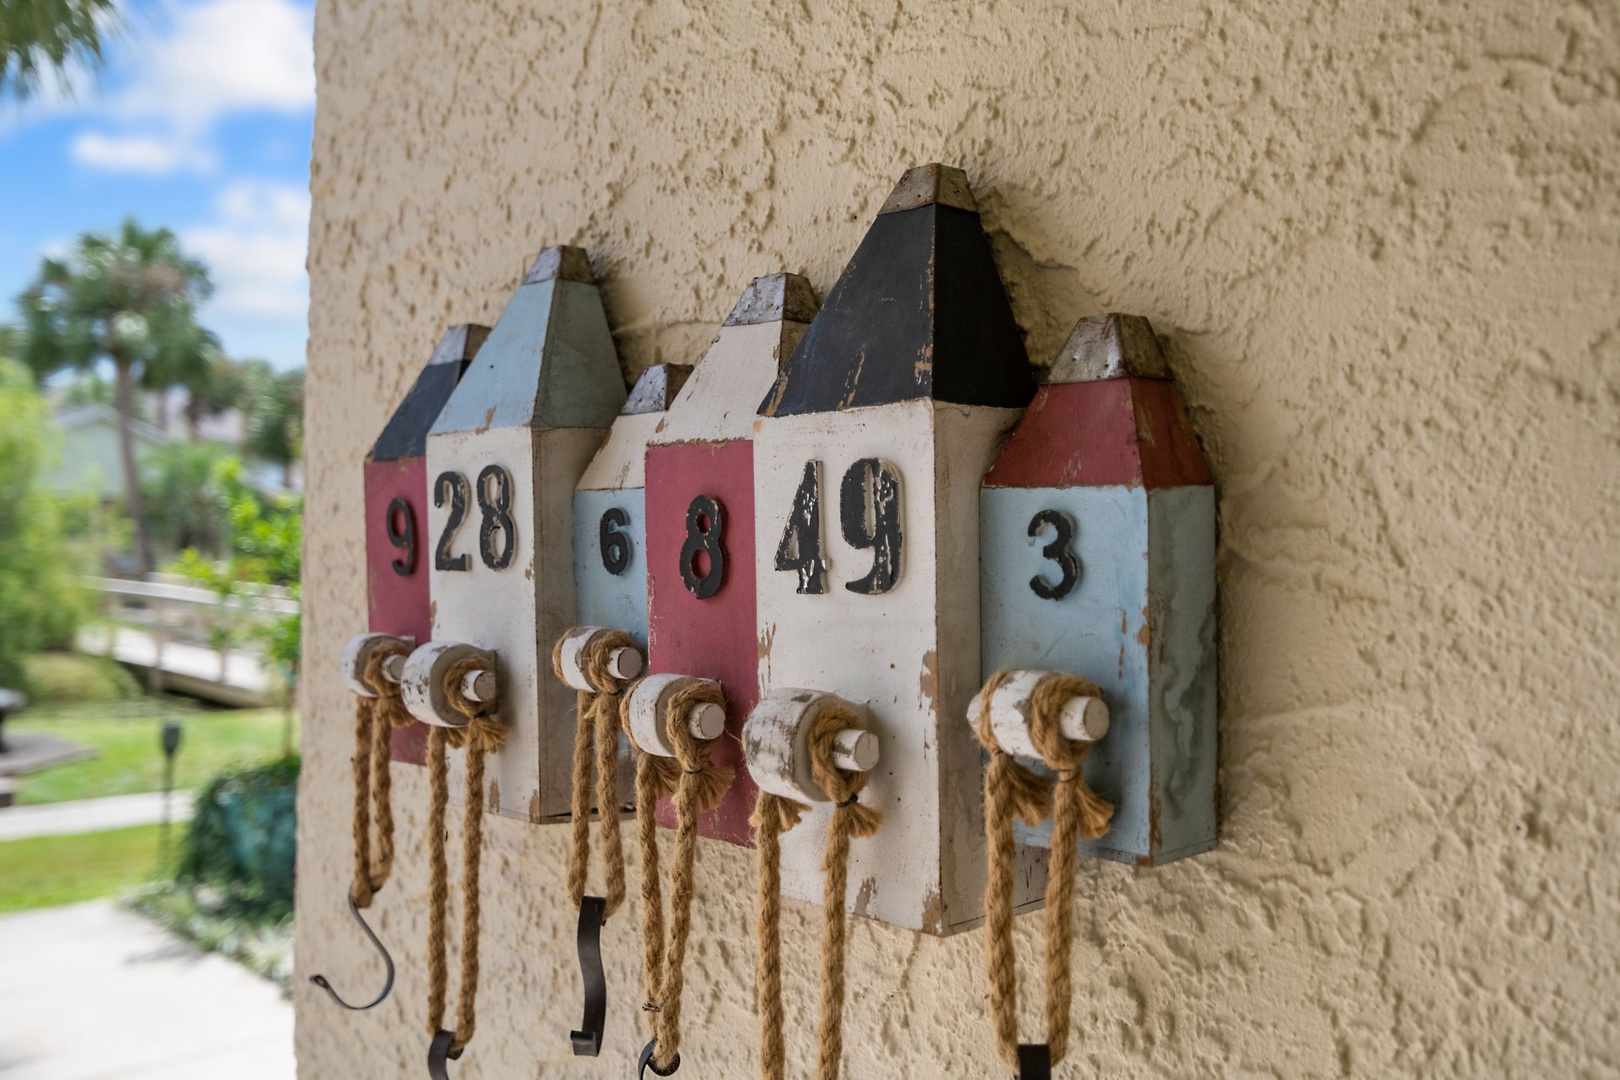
697	785
1012	790
481	736
773	816
598	719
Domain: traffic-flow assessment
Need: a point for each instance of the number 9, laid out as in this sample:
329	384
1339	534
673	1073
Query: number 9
402	535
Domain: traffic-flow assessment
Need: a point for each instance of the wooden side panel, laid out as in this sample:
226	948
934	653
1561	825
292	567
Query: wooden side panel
911	654
519	610
611	592
1182	696
714	637
397	603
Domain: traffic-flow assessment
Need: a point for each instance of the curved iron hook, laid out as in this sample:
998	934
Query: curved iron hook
588	941
388	965
647	1062
438	1052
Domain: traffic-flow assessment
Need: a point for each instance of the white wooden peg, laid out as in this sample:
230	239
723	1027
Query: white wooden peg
855	750
357	654
1082	719
624	663
650	719
422	681
776	743
478	686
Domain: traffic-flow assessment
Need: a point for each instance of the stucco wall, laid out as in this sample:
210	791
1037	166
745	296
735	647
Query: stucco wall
1381	244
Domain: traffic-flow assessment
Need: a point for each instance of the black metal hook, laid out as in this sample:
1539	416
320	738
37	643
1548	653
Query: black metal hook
646	1063
439	1052
588	1040
388	965
1034	1061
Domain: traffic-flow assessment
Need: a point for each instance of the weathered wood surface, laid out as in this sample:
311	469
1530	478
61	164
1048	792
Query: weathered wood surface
1115	460
776	743
519	431
396	499
910	655
702	612
868	460
919	312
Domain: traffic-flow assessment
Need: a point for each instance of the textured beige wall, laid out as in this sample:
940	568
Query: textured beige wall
1382	246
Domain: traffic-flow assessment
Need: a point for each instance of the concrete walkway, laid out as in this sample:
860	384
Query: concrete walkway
92	815
91	992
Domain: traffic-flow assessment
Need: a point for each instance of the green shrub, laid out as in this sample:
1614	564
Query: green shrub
40	601
243	839
72	679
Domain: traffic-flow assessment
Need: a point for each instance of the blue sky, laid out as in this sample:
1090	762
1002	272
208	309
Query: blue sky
200	121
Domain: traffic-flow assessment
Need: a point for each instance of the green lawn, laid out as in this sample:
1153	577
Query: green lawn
50	870
127	734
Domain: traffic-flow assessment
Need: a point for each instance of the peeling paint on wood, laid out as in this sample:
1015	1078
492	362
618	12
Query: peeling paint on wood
1116	457
901	375
535	405
704	450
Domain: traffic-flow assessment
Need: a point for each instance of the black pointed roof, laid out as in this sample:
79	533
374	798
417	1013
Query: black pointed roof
405	434
919	312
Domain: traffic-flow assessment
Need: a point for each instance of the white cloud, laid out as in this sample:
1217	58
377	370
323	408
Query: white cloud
216	58
156	155
256	248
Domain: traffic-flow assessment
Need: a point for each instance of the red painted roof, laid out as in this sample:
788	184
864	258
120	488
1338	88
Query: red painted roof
1098	434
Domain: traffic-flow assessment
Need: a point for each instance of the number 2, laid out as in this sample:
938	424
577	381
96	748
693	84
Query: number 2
402	536
1060	551
451	486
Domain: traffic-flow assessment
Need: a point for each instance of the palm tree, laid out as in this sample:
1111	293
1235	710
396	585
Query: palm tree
49	34
275	427
193	363
131	299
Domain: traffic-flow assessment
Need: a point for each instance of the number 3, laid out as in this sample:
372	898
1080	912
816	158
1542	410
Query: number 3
1060	551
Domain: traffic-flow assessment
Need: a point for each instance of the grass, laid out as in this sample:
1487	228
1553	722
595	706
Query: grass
126	735
48	870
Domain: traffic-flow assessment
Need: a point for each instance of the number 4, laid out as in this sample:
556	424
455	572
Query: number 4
800	548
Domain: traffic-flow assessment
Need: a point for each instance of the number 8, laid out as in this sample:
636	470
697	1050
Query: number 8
497	515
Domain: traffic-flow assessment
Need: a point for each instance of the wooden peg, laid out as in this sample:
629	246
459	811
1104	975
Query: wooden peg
1082	719
624	664
649	713
775	743
422	681
357	654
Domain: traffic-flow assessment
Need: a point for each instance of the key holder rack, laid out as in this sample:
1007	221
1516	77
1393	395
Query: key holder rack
873	509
